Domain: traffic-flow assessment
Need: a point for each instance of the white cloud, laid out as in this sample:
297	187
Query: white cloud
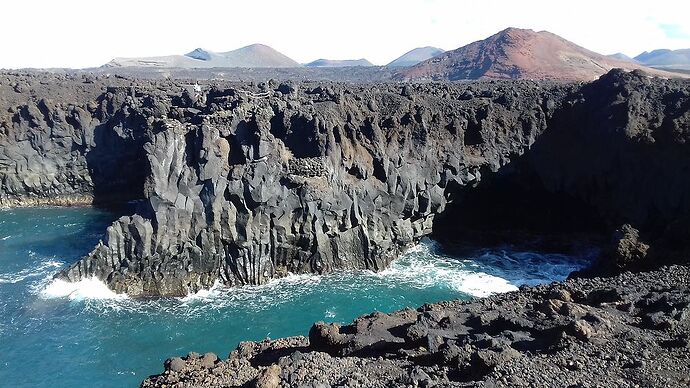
80	33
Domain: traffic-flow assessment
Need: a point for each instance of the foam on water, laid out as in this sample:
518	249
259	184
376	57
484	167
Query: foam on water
252	297
530	268
41	269
423	266
90	288
482	285
94	334
203	294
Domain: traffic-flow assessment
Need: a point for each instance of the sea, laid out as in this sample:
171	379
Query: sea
58	334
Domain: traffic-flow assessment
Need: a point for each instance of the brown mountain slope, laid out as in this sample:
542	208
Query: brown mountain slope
519	54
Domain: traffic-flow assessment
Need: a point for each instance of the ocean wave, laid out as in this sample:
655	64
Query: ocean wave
203	294
37	271
423	266
274	289
90	288
532	268
481	285
251	297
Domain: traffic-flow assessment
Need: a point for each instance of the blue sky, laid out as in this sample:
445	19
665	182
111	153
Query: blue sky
675	31
84	33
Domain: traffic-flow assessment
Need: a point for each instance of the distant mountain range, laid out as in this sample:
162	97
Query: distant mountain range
664	58
621	57
259	56
415	56
339	63
510	54
518	54
255	55
660	59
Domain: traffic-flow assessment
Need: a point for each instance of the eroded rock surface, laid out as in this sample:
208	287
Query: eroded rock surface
244	183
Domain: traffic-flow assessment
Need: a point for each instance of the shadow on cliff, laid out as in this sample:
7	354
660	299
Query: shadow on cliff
117	163
614	154
513	206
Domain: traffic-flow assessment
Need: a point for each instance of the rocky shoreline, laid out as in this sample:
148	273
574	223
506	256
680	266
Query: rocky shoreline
243	183
631	330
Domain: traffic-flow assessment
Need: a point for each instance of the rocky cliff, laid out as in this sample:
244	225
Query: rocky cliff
243	183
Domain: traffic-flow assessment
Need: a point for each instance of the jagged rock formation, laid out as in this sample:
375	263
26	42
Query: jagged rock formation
241	184
627	331
67	140
246	187
615	154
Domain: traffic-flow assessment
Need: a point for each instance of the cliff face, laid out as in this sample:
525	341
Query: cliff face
615	152
248	185
244	183
67	140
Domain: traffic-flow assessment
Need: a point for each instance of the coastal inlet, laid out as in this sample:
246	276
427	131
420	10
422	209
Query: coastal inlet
58	334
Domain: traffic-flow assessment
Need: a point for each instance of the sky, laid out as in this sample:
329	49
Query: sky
88	33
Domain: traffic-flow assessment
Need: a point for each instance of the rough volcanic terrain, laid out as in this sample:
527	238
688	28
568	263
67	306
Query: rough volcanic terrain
632	330
244	183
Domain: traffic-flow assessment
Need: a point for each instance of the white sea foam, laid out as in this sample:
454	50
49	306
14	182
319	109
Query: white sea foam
422	266
204	294
39	270
90	288
481	284
258	297
532	268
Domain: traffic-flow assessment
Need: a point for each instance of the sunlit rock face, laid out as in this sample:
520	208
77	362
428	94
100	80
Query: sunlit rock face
242	184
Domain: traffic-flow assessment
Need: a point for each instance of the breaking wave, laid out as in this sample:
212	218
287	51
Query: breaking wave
424	266
91	288
85	322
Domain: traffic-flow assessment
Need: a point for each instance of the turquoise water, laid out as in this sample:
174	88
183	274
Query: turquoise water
58	335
